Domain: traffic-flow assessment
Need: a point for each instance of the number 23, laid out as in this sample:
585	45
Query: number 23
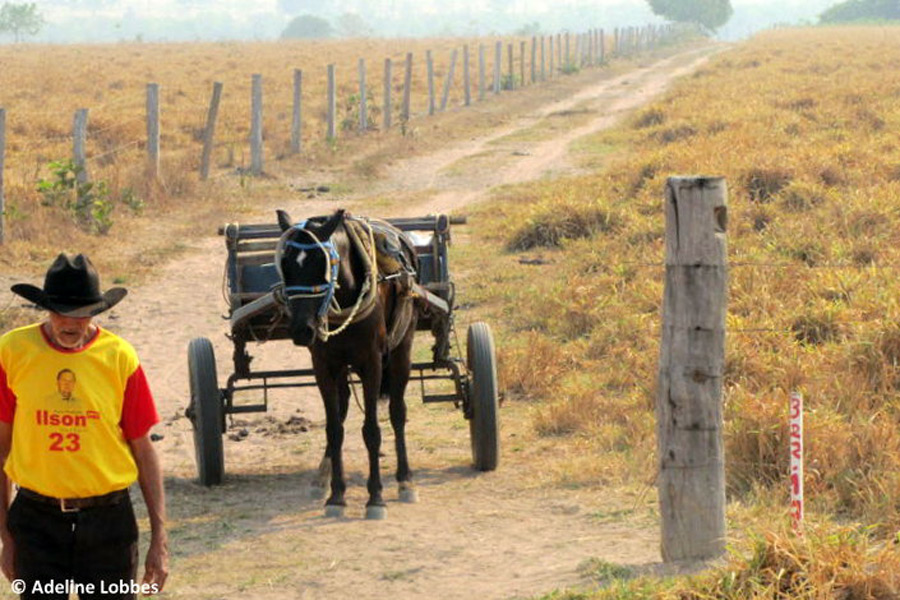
59	445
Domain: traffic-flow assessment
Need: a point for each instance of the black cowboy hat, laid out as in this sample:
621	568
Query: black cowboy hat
71	288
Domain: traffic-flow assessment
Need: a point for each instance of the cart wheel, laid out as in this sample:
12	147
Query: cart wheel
206	411
484	426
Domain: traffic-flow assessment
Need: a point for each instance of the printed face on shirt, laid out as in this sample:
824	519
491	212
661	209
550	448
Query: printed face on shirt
65	383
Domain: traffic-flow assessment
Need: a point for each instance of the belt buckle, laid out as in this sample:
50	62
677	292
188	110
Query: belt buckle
66	509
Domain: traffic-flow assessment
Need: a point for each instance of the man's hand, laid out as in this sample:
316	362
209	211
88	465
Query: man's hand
156	565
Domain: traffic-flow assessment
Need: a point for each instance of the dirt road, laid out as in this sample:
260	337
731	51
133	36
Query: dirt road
505	534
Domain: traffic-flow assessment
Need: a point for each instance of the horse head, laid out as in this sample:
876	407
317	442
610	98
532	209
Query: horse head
308	262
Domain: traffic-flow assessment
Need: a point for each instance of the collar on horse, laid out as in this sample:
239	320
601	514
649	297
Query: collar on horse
330	312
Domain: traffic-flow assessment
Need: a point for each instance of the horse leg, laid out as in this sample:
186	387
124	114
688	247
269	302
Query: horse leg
399	377
323	474
329	387
371	380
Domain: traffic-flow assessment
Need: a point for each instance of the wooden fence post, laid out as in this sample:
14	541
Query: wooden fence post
79	137
363	110
467	84
210	131
407	89
256	126
297	113
691	366
498	57
512	76
602	47
331	134
543	63
481	72
552	62
522	63
388	76
429	69
2	168
533	59
568	58
153	130
448	81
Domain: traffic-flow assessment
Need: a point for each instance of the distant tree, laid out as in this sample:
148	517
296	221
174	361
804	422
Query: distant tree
20	19
862	10
307	27
709	14
354	26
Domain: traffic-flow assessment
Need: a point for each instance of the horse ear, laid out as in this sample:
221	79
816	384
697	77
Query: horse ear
284	220
329	226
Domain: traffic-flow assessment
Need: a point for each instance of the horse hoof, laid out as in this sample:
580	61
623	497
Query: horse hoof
376	513
334	511
408	494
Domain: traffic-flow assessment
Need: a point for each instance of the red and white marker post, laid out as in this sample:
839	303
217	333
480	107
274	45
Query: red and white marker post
796	442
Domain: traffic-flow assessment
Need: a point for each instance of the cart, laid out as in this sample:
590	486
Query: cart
255	315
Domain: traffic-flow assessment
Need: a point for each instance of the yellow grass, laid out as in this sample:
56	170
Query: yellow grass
805	126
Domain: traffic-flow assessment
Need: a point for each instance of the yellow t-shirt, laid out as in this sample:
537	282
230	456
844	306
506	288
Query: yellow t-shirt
69	410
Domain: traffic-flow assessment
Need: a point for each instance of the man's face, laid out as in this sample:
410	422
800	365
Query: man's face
69	332
66	384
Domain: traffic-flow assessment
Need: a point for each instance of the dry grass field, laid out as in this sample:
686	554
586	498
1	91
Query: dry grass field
805	126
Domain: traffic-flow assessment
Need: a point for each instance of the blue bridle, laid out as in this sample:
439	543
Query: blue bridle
326	290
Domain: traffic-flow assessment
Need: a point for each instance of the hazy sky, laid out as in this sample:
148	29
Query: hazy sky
151	20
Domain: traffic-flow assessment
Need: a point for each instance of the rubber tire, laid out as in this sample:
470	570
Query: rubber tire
208	412
484	426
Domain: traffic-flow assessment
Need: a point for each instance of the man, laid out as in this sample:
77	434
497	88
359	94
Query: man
73	457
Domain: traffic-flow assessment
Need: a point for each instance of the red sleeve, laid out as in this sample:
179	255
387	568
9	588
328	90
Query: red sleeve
7	399
138	410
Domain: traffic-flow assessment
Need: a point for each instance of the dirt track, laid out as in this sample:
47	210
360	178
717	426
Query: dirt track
494	535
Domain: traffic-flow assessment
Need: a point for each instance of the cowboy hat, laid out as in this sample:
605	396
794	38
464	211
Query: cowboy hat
71	288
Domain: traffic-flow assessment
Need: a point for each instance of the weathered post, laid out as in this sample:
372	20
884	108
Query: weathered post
552	57
256	126
331	134
467	83
568	59
543	62
297	113
481	72
388	76
448	81
363	110
533	59
153	130
79	144
602	47
522	63
498	54
691	365
407	89
512	77
209	132
2	167
429	68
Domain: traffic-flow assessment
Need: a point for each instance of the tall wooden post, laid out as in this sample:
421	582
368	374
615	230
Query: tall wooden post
552	56
209	132
481	72
498	53
388	76
522	63
467	83
363	110
512	73
297	113
533	59
256	126
153	130
448	81
407	89
2	168
79	143
331	133
691	367
429	72
543	63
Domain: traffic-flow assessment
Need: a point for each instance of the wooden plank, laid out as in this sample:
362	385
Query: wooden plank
297	113
79	137
153	130
209	132
256	125
689	409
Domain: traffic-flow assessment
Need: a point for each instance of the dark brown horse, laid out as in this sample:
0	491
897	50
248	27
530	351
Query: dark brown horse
344	313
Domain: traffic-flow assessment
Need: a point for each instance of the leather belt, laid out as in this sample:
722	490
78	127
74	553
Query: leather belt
76	504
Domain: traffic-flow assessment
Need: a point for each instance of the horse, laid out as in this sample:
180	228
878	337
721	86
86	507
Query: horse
330	278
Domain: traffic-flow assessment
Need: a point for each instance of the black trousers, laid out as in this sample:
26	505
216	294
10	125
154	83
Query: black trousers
91	552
